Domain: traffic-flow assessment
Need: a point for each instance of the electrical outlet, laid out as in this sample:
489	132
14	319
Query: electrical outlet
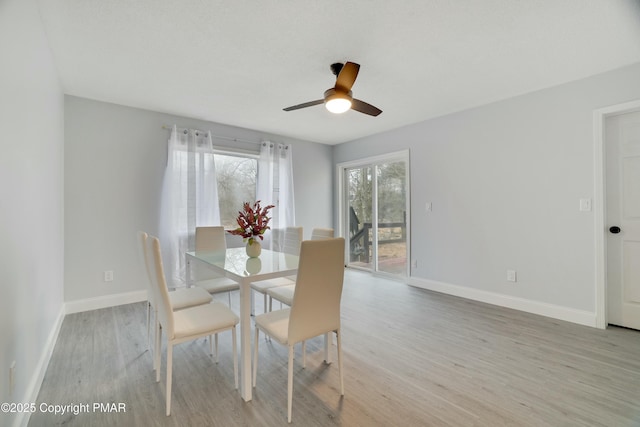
585	205
108	276
414	263
511	276
12	380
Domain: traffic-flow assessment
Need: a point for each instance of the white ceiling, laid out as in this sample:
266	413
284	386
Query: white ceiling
241	62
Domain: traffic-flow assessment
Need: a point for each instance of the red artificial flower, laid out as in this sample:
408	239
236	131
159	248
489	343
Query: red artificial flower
252	221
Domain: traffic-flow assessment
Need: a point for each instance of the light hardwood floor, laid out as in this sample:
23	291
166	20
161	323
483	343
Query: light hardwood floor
411	358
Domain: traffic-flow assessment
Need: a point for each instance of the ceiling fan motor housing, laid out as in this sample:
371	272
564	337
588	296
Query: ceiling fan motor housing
332	93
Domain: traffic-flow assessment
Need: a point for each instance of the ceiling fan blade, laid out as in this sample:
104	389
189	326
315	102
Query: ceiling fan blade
305	105
347	76
365	108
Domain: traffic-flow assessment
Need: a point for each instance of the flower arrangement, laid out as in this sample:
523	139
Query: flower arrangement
252	222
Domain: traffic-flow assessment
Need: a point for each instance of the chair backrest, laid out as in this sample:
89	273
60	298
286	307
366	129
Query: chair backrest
322	233
142	254
292	240
210	238
159	286
316	299
287	240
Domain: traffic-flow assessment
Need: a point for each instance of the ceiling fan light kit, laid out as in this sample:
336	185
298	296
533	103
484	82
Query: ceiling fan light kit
339	98
337	102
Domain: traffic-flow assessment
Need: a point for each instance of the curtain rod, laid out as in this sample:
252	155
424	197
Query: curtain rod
215	136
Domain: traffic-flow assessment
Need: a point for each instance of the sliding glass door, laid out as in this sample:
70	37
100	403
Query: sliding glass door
376	213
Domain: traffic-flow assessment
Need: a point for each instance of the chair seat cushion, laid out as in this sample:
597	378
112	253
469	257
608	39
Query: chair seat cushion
283	294
188	297
275	324
218	285
203	319
263	285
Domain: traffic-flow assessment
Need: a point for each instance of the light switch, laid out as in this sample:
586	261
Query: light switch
585	205
428	207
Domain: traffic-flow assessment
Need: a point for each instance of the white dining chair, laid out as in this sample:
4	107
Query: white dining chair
187	324
315	309
285	240
179	299
322	233
284	294
212	238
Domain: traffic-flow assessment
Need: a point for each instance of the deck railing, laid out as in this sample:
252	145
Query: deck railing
360	240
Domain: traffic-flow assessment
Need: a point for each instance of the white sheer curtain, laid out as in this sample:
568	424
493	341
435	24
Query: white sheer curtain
275	185
189	197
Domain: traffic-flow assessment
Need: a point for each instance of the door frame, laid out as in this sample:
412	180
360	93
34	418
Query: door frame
341	202
599	118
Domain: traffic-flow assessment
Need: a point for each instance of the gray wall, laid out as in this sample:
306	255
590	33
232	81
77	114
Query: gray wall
114	163
505	181
31	200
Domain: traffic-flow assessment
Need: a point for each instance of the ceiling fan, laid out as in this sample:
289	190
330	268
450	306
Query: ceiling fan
339	98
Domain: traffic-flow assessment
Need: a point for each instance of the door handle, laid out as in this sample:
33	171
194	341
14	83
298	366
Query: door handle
615	229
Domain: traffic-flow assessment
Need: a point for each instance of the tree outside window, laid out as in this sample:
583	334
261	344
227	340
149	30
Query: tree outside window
236	175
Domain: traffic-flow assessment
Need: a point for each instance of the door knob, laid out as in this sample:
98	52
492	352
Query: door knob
615	229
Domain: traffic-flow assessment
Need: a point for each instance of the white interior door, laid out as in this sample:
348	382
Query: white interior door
623	219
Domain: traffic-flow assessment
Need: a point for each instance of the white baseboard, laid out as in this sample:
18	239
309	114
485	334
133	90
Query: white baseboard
581	317
106	301
31	395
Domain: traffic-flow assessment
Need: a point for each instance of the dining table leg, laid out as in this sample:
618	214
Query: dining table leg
245	341
187	271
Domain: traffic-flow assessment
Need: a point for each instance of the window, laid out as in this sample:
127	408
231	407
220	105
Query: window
202	186
236	175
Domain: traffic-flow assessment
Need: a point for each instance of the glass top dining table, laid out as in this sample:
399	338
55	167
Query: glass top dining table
235	264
